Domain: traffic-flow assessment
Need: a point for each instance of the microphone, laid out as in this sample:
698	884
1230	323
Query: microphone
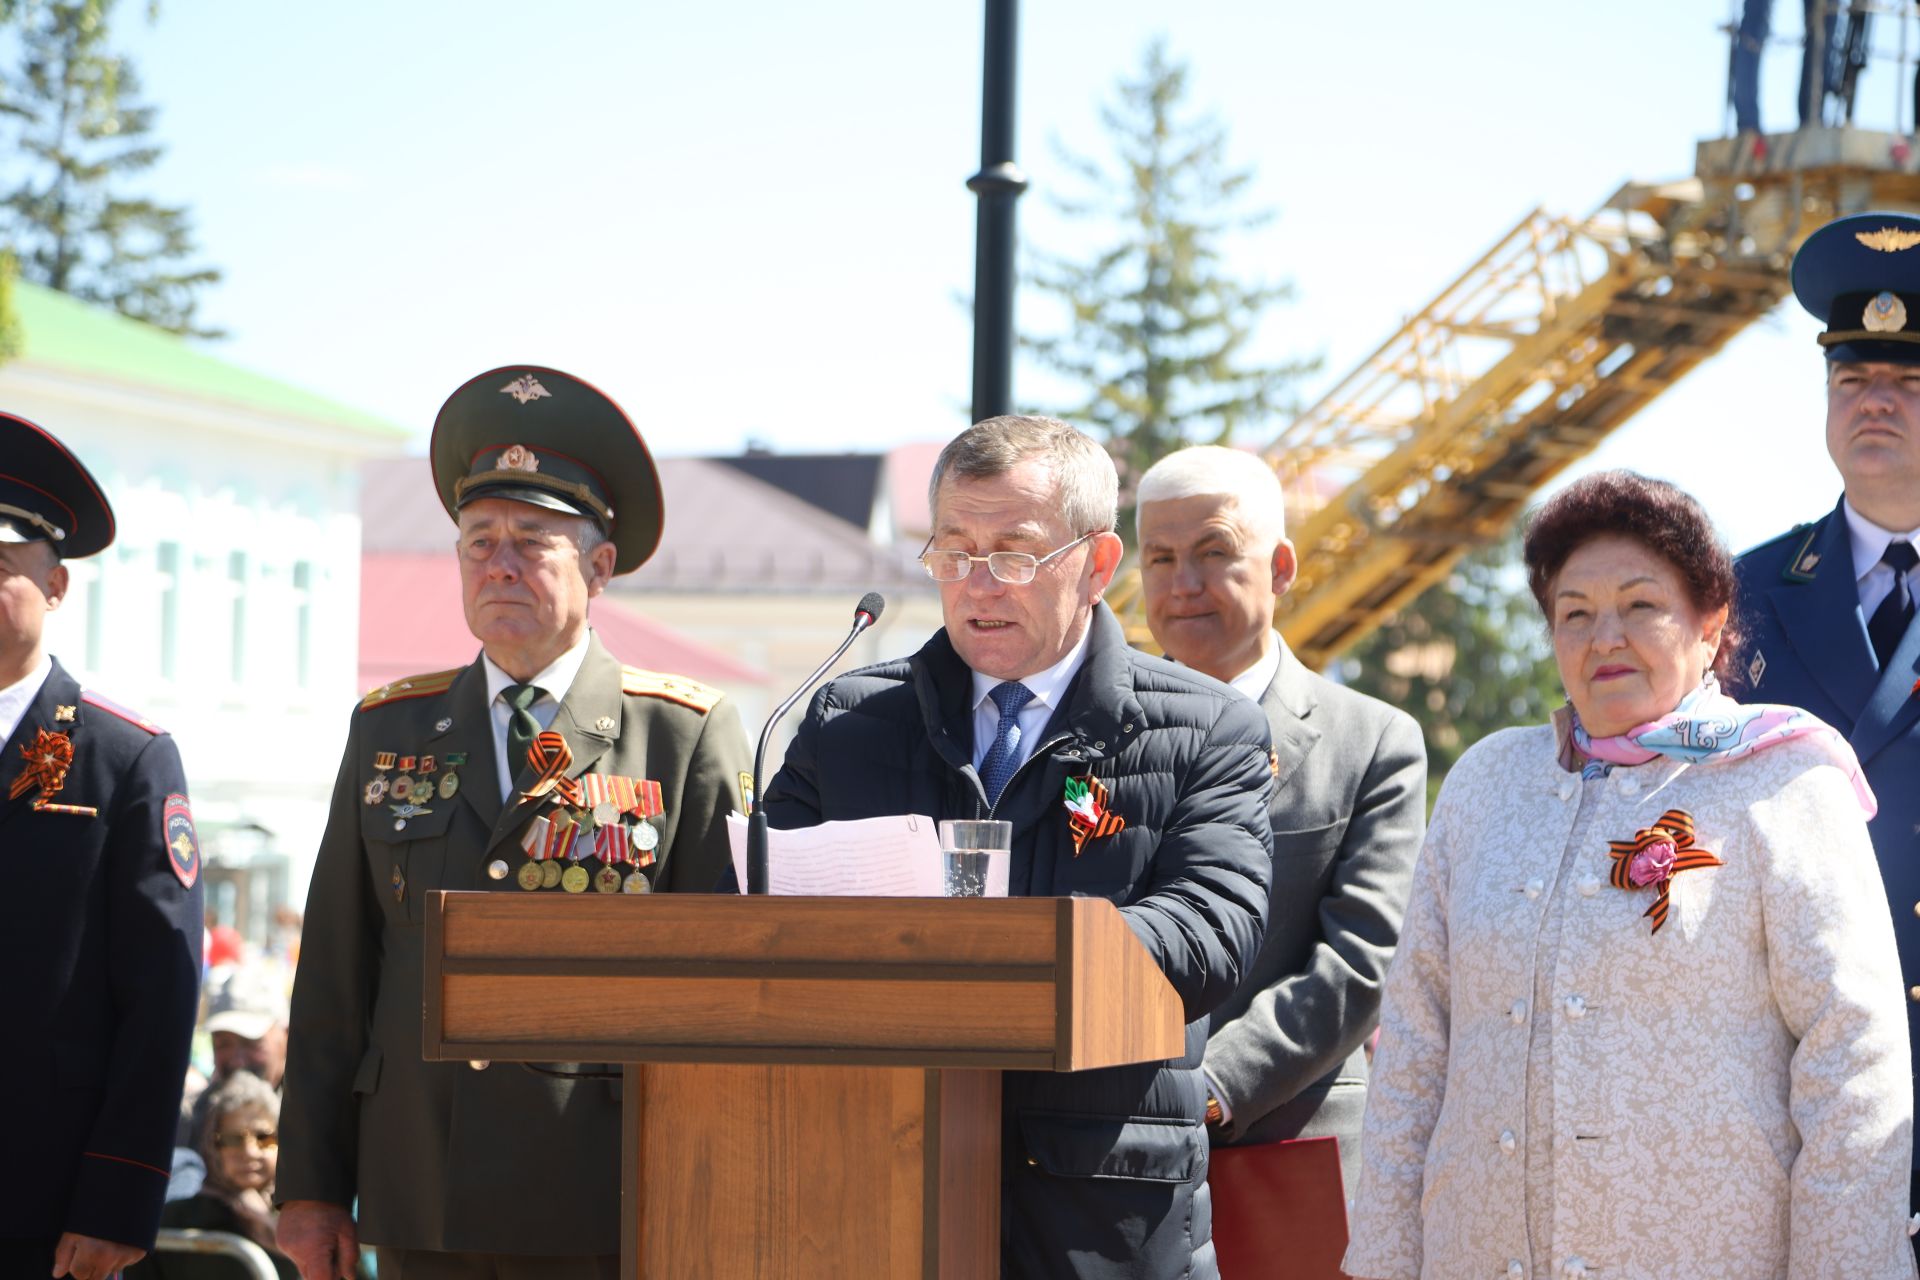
865	614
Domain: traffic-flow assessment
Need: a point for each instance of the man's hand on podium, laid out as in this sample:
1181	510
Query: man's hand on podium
320	1238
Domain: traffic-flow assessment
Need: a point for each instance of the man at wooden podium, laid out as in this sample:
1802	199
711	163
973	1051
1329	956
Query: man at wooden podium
1286	1057
450	781
1125	777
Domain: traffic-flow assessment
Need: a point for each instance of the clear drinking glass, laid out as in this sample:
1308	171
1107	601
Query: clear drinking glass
967	846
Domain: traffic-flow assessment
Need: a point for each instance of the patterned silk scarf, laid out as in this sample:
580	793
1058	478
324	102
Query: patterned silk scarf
1708	725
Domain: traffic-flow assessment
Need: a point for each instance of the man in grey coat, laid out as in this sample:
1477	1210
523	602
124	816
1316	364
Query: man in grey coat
1285	1057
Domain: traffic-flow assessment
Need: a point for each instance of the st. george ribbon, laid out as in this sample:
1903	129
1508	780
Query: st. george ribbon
865	614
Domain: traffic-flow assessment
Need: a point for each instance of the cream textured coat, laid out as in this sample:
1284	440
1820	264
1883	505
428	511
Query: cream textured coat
1561	1092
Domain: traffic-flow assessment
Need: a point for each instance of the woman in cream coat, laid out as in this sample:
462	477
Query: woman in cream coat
1646	1019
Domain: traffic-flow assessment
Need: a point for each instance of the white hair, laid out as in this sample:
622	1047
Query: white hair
1210	470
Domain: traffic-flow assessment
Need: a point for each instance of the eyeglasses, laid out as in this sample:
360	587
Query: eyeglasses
1015	568
265	1139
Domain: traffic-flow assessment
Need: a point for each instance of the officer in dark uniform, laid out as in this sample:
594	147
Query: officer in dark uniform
543	766
1829	606
100	927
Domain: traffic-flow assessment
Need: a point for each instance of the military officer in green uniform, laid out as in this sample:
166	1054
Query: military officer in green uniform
543	766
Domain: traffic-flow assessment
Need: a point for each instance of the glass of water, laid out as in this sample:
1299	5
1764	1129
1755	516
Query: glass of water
967	846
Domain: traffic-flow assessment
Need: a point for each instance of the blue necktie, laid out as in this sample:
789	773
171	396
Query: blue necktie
1001	759
1888	626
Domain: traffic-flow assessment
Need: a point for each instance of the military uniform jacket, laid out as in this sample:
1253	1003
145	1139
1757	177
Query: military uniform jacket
1807	646
441	1156
100	938
1349	809
1103	1172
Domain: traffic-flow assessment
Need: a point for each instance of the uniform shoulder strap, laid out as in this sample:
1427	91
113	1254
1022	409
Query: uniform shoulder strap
134	718
410	687
684	690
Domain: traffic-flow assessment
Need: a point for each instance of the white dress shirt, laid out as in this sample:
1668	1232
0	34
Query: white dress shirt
18	696
553	682
1874	579
1256	679
1048	687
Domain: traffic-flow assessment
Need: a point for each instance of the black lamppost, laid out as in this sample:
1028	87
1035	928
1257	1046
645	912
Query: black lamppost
998	184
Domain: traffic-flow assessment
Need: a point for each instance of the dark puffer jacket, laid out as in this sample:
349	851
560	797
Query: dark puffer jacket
1103	1171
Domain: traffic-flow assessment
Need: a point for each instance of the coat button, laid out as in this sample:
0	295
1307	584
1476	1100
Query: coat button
399	824
1914	992
1518	1014
1589	886
497	869
478	1064
1567	789
1574	1266
1507	1141
1515	1270
1576	1007
1916	908
1535	887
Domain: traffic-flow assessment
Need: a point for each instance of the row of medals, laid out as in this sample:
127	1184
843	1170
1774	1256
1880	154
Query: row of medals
546	873
411	795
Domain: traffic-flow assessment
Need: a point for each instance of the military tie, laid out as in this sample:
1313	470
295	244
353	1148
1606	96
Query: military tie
522	728
1002	759
1889	621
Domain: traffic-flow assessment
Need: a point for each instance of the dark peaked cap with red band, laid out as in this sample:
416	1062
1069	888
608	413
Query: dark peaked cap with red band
537	435
46	495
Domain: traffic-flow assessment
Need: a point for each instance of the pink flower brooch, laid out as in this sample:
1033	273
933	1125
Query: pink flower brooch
1655	856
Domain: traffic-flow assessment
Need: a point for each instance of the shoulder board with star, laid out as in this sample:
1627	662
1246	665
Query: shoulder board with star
410	687
111	707
684	690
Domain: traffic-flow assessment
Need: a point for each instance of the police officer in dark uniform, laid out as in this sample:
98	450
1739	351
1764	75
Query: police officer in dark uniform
543	766
101	925
1829	606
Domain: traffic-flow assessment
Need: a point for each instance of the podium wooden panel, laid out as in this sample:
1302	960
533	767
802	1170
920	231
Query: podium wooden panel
813	1085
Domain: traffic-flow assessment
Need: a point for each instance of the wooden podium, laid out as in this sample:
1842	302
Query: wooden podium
812	1084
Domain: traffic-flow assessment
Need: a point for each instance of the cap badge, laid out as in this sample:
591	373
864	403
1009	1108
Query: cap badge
526	387
517	457
1888	239
1885	314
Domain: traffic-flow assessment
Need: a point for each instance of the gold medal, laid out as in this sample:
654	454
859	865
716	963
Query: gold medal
403	786
606	880
575	879
449	785
549	874
635	883
530	875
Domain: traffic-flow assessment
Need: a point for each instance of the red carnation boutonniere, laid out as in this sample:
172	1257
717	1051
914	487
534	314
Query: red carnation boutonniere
1655	856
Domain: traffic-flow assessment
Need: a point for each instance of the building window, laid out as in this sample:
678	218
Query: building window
167	573
303	623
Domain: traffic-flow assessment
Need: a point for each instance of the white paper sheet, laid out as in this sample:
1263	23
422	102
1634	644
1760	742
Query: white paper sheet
871	858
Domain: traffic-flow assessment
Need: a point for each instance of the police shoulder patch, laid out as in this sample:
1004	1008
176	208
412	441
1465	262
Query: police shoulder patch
134	718
410	687
684	690
183	843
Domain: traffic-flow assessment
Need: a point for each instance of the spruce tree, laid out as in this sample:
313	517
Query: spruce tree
1158	327
79	133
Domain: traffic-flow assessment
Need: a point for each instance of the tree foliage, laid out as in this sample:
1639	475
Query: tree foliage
1467	657
79	133
1158	329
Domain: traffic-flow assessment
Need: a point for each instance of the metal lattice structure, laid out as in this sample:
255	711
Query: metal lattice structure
1557	335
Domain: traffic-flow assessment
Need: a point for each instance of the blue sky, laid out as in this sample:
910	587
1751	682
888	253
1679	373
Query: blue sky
747	220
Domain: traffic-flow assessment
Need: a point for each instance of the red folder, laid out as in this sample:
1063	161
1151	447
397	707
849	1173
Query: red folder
1279	1210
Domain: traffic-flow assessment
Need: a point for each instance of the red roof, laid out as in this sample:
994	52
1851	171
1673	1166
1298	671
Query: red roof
411	621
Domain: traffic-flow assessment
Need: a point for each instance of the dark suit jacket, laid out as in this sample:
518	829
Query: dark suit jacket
1103	1173
443	1157
1349	812
100	936
1807	646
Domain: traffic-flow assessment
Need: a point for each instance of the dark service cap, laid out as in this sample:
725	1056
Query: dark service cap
46	495
1860	276
537	435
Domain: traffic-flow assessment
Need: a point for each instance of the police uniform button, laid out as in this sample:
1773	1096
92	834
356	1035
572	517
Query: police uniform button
497	869
399	824
478	1064
1916	908
1914	994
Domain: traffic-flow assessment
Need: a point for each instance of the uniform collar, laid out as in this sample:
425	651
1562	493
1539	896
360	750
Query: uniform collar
555	679
18	696
1869	541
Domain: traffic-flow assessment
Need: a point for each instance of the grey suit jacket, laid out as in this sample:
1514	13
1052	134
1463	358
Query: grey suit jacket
1349	813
